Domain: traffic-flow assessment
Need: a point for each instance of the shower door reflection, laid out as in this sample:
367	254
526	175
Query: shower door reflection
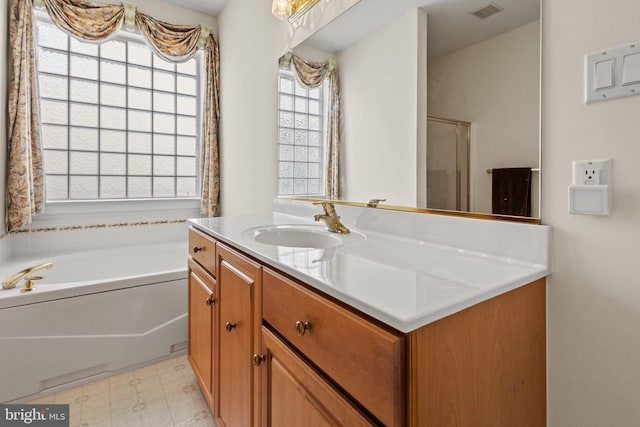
448	149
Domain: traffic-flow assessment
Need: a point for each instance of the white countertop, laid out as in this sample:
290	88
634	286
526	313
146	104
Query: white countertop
405	282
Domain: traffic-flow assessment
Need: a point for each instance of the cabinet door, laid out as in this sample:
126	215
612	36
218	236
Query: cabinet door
239	283
298	396
364	359
201	326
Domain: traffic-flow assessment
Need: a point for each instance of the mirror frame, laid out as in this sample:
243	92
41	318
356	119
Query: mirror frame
474	215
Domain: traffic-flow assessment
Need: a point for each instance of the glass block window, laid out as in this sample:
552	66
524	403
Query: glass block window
118	122
301	138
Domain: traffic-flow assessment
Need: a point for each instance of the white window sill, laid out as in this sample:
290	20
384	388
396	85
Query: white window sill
65	213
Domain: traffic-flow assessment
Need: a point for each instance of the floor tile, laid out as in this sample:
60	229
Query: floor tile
131	419
164	394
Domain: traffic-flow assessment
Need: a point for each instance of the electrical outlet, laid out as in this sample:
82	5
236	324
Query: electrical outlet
592	172
590	193
590	176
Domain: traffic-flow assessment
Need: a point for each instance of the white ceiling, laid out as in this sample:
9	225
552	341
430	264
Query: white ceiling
210	7
450	24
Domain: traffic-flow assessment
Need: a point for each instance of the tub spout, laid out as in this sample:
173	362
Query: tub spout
10	282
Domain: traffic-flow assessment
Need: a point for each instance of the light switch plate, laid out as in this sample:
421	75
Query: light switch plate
612	73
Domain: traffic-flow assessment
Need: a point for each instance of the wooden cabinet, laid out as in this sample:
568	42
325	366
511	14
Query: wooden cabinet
284	354
202	318
239	284
202	248
225	316
364	359
298	395
484	366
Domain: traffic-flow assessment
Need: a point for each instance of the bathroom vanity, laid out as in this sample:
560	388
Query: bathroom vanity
411	319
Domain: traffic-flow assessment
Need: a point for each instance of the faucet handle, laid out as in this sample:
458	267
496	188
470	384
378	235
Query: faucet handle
328	207
28	283
373	203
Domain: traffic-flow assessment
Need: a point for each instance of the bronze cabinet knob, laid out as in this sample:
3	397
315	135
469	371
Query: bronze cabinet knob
302	327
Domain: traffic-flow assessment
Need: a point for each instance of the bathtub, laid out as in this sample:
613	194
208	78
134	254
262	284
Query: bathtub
94	313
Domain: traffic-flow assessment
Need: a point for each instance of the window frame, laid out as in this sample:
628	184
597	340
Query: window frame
122	209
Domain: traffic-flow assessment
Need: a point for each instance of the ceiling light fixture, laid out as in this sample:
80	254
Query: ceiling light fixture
291	9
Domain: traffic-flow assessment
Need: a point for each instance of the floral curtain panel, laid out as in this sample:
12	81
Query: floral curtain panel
25	179
95	22
210	157
312	75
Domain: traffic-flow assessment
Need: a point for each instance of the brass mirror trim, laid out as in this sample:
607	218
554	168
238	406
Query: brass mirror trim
475	215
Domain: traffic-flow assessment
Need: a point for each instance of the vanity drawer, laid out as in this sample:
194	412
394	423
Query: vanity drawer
360	357
203	249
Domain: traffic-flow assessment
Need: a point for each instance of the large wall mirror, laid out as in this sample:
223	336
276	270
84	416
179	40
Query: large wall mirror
439	98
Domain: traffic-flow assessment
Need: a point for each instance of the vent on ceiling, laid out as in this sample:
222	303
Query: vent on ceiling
487	11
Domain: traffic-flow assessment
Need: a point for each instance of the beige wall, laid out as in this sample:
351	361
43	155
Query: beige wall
495	85
312	54
381	128
594	292
250	45
171	13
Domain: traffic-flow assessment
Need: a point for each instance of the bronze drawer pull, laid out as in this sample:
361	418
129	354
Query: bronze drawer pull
196	249
229	326
302	327
210	301
258	359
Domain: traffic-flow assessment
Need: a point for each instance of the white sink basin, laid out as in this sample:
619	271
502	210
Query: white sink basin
299	236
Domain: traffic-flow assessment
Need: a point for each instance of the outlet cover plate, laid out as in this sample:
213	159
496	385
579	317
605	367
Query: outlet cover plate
603	168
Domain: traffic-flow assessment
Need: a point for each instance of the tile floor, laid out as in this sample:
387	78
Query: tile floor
162	394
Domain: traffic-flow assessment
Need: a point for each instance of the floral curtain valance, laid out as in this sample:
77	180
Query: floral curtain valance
171	42
85	21
313	74
95	22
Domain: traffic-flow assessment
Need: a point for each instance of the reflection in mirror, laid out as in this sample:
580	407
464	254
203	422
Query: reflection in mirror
305	100
476	79
448	143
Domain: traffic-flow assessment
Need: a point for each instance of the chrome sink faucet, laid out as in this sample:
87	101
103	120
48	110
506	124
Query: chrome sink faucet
330	218
10	282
